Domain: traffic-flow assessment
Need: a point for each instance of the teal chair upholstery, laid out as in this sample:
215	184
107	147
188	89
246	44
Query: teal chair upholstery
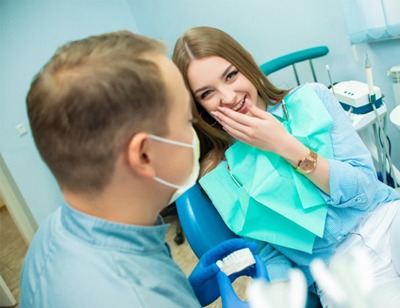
295	57
201	222
204	227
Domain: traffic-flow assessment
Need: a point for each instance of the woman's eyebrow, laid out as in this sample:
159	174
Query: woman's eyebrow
200	89
226	71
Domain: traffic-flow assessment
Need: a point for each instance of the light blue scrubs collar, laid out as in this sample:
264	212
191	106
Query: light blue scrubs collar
112	235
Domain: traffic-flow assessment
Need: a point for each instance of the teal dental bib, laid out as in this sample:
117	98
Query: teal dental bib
259	195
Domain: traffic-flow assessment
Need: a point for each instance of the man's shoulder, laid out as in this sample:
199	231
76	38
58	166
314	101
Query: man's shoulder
45	230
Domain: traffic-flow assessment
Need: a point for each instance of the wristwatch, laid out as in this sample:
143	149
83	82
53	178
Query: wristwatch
308	164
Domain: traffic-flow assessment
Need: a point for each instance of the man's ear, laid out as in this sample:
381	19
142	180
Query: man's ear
139	155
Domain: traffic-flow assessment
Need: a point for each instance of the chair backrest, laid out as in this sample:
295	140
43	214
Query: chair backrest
293	58
201	222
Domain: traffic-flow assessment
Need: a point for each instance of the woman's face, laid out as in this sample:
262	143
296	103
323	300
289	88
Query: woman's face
216	82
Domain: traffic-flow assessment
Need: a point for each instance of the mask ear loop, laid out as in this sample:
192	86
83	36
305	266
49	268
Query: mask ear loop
161	139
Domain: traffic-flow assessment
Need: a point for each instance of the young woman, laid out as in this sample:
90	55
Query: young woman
234	101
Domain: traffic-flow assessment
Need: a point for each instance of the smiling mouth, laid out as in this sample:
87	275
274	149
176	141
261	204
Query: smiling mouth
240	105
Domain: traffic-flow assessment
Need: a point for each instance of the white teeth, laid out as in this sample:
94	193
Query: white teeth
240	105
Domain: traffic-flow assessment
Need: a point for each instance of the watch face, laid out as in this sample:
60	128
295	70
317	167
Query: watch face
308	165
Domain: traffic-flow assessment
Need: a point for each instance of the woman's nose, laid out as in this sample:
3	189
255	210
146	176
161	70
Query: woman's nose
228	97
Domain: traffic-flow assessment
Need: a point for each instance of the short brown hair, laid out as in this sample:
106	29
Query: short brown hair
89	99
202	42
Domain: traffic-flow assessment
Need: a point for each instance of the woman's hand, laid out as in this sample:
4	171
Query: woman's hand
262	130
259	129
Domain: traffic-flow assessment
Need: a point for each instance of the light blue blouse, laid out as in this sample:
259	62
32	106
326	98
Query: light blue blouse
354	187
77	260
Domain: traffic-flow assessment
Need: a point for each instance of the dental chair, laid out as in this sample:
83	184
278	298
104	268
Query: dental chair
291	59
204	227
201	223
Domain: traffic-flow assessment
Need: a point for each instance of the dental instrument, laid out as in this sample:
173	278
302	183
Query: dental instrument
327	282
328	69
366	110
383	138
347	279
285	111
257	297
368	73
291	294
298	289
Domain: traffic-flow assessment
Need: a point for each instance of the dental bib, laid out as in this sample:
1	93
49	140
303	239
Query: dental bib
259	195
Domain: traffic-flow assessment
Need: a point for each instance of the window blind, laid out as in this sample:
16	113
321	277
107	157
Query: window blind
372	20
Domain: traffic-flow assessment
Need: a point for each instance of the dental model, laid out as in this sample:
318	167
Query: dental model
236	261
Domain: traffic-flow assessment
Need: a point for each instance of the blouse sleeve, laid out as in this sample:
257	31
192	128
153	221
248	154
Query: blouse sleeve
278	265
352	172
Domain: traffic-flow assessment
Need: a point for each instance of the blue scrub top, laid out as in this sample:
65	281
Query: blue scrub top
77	260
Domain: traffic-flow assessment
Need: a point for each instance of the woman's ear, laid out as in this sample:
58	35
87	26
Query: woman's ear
140	158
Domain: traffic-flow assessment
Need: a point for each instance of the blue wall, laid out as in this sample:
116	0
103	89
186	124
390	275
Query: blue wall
269	29
30	31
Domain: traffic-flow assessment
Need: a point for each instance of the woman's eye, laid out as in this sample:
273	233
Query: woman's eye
231	75
205	94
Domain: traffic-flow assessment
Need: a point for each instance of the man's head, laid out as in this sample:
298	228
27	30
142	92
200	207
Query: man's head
90	99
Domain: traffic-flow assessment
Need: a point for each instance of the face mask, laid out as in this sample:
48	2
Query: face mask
192	178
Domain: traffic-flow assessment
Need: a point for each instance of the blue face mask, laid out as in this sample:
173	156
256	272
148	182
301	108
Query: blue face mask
192	178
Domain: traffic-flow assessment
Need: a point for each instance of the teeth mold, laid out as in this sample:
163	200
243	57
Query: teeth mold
236	261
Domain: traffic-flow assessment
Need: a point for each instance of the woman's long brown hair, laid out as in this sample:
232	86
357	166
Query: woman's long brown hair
202	42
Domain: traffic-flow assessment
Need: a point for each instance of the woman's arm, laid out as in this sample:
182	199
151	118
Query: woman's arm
347	179
352	173
278	265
